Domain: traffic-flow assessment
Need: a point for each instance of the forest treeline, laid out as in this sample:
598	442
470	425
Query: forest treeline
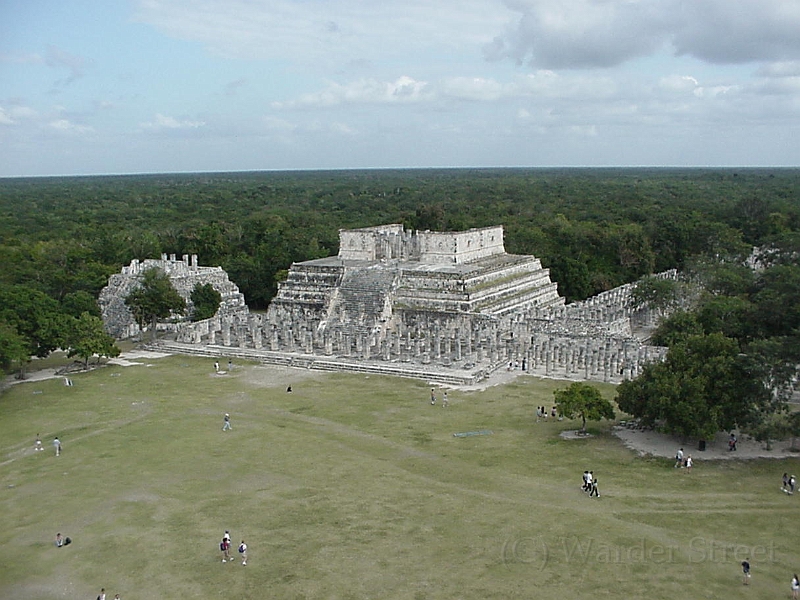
594	228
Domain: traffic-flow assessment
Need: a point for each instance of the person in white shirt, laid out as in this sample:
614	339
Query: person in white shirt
243	552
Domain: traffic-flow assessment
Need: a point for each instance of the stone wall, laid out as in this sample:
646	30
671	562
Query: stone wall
391	242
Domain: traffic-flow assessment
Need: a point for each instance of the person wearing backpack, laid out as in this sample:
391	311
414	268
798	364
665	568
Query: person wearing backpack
243	552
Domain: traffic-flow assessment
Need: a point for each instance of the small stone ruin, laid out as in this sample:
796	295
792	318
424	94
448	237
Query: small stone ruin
184	275
451	307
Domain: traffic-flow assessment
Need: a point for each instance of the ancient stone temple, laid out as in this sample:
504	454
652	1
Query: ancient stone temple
443	306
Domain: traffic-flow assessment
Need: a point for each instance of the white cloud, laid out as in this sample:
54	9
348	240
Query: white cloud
362	91
67	126
165	122
5	118
678	83
473	88
15	114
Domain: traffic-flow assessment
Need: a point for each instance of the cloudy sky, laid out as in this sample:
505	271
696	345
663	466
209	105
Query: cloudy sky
113	86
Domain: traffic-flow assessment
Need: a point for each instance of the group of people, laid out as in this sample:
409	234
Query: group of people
795	585
225	548
590	484
788	483
682	461
57	445
445	401
102	595
216	366
541	413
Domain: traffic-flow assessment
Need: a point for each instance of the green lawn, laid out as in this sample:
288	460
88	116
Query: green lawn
355	487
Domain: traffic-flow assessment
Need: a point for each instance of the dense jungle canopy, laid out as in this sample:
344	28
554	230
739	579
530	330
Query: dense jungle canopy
594	228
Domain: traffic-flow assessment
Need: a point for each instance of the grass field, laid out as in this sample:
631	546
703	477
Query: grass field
355	487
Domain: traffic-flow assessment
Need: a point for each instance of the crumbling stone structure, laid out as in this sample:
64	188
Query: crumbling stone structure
444	306
184	274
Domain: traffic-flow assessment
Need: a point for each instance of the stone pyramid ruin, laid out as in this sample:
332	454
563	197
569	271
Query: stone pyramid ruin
443	306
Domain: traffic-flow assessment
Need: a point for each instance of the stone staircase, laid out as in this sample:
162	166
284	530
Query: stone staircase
363	300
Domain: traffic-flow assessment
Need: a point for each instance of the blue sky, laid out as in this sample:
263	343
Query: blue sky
143	86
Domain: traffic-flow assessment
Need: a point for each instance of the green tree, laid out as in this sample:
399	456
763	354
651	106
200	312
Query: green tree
656	293
206	301
676	328
703	386
34	315
731	316
584	401
86	337
77	303
13	347
155	298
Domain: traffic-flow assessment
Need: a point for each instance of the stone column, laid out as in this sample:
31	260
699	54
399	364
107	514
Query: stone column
226	333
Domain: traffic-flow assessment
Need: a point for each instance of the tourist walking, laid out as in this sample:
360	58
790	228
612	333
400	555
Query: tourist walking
226	422
785	483
216	366
445	401
745	572
433	396
225	547
795	586
792	482
594	491
243	552
732	443
57	446
679	458
102	595
689	463
37	445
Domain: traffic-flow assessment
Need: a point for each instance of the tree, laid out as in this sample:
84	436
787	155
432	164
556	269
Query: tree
676	328
584	401
656	293
703	386
155	298
206	301
35	317
13	347
86	337
77	303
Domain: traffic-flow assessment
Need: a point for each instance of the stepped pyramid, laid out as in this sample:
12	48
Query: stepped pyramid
387	281
442	306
